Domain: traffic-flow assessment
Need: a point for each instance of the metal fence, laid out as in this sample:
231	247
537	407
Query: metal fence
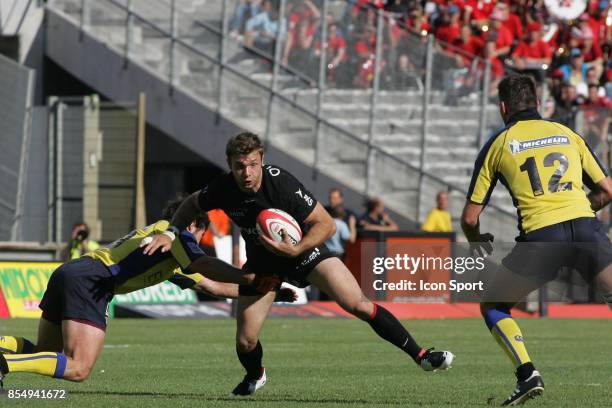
16	99
92	173
378	140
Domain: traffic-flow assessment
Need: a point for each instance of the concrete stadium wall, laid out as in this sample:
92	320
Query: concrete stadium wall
177	114
16	94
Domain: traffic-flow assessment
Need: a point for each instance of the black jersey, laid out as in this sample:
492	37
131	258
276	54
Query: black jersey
279	189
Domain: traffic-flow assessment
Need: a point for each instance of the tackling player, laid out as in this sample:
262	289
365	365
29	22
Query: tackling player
75	304
544	165
243	193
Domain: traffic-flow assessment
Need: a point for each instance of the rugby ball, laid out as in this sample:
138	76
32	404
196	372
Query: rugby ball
270	222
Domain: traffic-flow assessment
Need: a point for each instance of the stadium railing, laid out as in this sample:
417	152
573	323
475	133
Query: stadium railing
197	55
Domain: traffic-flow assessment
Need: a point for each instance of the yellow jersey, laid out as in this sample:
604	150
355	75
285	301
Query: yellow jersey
132	270
438	221
544	165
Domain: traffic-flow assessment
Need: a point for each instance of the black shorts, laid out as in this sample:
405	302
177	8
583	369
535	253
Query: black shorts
579	244
79	290
291	270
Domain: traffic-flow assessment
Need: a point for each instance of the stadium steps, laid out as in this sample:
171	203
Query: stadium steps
451	134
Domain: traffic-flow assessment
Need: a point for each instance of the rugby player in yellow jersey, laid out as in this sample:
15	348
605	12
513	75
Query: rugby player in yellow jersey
544	166
74	307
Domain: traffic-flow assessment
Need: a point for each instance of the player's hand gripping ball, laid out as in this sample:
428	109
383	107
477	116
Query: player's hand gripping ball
273	223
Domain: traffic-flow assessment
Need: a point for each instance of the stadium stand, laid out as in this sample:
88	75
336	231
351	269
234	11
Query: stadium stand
402	144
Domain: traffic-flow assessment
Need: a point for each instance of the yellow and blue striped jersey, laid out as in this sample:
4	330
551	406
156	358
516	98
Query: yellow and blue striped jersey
544	165
132	270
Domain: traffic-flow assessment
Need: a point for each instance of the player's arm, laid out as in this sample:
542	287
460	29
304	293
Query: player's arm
594	176
222	272
232	291
222	290
482	184
470	225
601	194
191	259
218	270
321	228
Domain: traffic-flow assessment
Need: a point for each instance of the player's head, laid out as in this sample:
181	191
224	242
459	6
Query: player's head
516	93
442	200
197	227
244	153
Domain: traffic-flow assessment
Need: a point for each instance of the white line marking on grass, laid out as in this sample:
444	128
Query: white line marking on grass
110	346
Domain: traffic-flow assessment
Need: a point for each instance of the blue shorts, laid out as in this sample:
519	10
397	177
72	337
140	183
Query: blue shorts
579	244
79	290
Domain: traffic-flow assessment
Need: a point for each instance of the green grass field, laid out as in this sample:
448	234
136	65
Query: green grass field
329	363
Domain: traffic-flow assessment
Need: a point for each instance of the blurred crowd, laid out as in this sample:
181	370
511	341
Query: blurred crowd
569	58
521	35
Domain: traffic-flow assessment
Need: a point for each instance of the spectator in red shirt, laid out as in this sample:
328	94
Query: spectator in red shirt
298	51
588	23
499	33
365	49
510	20
450	28
335	52
534	53
468	46
418	21
304	9
497	67
479	10
592	54
496	74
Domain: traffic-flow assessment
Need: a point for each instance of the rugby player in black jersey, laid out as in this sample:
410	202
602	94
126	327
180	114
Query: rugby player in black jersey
250	187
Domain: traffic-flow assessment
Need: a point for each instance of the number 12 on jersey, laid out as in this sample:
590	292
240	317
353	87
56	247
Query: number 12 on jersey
554	185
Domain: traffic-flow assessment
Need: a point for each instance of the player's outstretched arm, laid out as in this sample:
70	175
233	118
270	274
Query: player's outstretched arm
216	269
601	195
322	227
220	271
232	291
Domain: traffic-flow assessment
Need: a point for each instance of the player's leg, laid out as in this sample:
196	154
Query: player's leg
83	343
77	296
333	277
251	314
49	339
45	358
49	336
504	291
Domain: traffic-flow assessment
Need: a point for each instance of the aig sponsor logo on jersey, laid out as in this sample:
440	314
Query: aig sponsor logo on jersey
306	197
516	147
